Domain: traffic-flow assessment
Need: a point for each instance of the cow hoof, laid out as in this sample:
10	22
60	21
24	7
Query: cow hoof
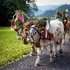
61	52
51	60
69	39
55	56
32	54
36	64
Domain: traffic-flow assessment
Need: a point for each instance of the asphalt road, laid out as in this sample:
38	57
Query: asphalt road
27	63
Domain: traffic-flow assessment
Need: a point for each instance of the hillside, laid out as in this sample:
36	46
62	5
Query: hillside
48	13
64	7
51	13
42	9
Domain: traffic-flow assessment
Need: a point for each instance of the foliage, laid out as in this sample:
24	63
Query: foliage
8	7
11	49
42	22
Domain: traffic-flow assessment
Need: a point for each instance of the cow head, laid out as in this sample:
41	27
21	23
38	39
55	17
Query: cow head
27	27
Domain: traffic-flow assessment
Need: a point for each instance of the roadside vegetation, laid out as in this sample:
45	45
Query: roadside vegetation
11	49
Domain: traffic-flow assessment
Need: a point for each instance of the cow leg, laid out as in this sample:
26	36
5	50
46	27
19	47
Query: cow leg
64	37
55	49
19	32
60	51
33	51
38	56
18	35
51	52
69	35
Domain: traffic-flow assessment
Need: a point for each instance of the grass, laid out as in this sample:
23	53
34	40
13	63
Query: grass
11	49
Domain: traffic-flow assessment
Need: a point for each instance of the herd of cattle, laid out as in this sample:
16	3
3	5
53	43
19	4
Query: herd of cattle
42	33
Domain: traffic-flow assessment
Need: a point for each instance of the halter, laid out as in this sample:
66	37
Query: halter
36	31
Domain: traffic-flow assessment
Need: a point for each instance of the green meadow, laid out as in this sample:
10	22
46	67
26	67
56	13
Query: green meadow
11	49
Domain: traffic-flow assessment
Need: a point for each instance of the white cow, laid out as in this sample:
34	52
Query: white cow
56	28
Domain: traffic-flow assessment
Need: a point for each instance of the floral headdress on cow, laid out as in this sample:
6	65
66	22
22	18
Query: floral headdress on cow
17	12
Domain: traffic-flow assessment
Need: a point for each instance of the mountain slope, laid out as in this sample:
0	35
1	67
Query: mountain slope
48	13
63	8
51	13
42	9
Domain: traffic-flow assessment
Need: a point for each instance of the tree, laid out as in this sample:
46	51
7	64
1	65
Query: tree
8	7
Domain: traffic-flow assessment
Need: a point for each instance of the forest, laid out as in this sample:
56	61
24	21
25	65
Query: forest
8	8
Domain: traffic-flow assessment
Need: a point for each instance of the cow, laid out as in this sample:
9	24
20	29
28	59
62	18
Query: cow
67	28
21	26
25	33
53	36
66	22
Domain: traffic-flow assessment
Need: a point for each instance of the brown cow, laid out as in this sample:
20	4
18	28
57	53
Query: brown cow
25	34
54	36
66	27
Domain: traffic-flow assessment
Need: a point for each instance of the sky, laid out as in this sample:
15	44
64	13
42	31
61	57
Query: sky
51	2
